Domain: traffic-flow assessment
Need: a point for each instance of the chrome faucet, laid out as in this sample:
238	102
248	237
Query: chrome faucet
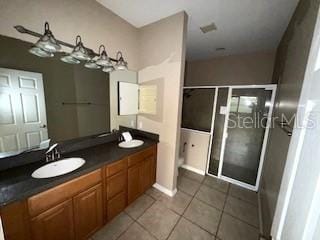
52	153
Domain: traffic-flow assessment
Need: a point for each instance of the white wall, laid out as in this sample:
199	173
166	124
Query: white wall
317	232
195	152
162	60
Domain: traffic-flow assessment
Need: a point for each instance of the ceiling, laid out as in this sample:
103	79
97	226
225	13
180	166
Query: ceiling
243	26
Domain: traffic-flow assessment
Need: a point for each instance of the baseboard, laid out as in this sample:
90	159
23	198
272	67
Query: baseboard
261	227
192	169
165	190
260	213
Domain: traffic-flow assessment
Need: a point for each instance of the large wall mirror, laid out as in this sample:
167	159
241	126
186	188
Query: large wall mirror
43	98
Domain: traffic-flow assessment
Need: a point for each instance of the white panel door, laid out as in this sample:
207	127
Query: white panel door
23	121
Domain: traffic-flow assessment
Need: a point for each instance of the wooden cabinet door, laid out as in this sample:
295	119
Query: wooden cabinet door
116	205
54	224
134	189
88	214
13	215
145	174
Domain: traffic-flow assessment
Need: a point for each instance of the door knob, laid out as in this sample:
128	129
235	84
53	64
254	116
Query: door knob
43	126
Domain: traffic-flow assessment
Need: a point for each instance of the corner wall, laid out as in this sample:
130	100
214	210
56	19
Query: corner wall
162	59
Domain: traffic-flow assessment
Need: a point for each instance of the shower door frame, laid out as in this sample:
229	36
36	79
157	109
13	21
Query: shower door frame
216	89
273	88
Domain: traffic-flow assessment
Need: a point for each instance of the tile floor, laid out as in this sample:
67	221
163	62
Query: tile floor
204	208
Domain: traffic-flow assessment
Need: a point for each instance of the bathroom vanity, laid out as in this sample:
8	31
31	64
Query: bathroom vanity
77	204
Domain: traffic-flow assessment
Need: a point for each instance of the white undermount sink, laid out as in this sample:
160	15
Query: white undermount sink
131	144
58	168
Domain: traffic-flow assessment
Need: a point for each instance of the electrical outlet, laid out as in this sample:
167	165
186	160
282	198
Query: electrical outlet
140	125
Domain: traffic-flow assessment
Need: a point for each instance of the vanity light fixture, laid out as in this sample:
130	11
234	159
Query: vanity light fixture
69	59
121	64
47	45
108	69
103	59
40	52
92	64
80	52
47	42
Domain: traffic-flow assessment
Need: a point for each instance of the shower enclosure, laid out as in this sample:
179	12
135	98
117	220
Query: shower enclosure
238	119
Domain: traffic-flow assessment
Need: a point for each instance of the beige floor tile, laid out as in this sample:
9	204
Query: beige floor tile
159	220
217	184
203	215
244	194
242	210
185	230
211	196
154	193
139	206
114	229
177	203
234	229
188	186
193	176
136	232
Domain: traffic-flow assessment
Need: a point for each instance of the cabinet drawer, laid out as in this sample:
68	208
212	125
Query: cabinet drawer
116	184
116	167
140	156
45	200
116	205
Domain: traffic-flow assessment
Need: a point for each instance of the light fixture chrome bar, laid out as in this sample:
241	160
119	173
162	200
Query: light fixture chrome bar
23	30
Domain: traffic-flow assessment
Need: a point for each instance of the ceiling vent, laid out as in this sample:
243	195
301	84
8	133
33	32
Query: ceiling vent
208	28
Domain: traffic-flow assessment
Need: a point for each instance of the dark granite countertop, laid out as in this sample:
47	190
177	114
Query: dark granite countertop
17	183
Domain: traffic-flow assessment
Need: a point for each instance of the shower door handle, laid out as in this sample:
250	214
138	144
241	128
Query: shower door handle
184	146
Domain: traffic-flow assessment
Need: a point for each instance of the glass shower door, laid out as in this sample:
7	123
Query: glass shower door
245	135
217	134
